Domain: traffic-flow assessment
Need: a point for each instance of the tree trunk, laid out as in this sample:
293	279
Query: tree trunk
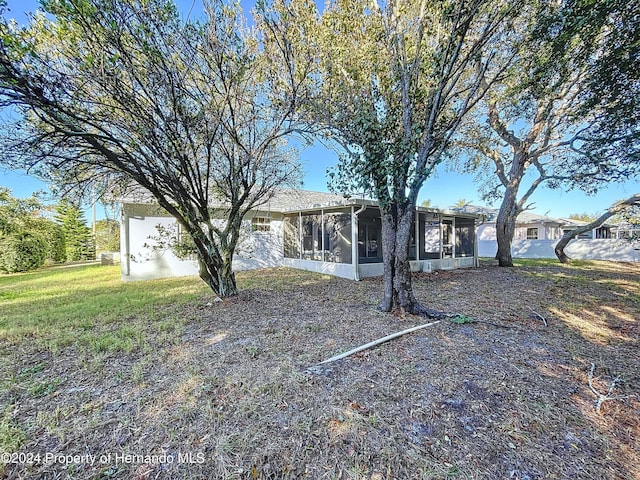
562	244
398	290
505	229
220	278
614	209
215	265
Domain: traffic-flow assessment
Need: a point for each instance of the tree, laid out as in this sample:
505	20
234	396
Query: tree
583	217
615	209
16	213
78	238
463	202
22	251
393	96
107	235
22	222
546	123
53	235
123	93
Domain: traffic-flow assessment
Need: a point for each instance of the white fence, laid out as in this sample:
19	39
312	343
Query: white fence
580	249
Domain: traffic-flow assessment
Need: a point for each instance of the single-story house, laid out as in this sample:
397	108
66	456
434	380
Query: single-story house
529	226
603	231
536	237
315	231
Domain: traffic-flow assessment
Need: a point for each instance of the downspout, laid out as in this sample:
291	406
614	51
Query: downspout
354	241
417	235
476	246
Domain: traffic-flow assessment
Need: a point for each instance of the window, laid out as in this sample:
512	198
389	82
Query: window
291	236
311	237
337	237
429	235
532	233
261	224
369	239
465	237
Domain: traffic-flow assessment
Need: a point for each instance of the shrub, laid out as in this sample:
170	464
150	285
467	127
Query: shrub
20	252
53	236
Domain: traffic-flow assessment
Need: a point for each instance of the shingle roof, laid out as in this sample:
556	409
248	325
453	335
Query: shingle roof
492	213
284	199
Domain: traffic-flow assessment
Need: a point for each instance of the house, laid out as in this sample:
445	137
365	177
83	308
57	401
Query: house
529	226
536	236
603	231
315	231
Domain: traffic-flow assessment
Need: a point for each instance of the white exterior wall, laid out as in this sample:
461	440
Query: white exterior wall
142	262
580	249
343	270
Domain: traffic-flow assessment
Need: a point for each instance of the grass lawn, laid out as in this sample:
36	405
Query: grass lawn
101	379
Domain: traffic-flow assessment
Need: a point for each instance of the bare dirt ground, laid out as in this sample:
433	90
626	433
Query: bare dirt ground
231	395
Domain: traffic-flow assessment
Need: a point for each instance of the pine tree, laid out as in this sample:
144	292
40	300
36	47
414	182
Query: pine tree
78	237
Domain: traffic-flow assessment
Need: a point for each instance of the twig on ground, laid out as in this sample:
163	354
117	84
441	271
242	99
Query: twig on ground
544	320
377	342
604	397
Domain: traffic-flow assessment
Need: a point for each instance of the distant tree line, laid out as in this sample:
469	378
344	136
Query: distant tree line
33	233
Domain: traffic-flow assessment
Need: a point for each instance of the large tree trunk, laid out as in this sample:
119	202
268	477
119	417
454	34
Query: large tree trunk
397	226
614	209
505	229
510	207
215	262
218	275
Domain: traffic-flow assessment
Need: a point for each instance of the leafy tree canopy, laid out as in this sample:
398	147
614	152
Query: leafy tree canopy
118	93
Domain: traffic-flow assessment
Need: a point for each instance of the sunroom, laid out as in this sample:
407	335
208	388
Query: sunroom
346	240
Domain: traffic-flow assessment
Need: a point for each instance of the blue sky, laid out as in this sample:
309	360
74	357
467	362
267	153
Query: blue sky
443	189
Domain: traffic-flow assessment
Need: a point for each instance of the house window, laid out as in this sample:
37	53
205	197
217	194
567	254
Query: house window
532	233
311	237
465	237
369	240
291	227
337	237
261	224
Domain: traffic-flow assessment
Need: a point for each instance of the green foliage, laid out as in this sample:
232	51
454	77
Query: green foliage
172	238
16	213
107	235
601	38
20	216
461	319
77	235
53	236
583	217
128	93
20	252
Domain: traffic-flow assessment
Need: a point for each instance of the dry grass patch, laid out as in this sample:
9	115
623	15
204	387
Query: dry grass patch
230	396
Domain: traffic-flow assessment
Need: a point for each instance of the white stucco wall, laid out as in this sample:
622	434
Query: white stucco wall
581	249
140	261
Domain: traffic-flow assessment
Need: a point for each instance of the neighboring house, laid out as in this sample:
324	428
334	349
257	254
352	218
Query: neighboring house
537	235
315	231
529	226
628	231
604	231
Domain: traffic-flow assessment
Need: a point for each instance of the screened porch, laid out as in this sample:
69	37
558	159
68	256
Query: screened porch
346	241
